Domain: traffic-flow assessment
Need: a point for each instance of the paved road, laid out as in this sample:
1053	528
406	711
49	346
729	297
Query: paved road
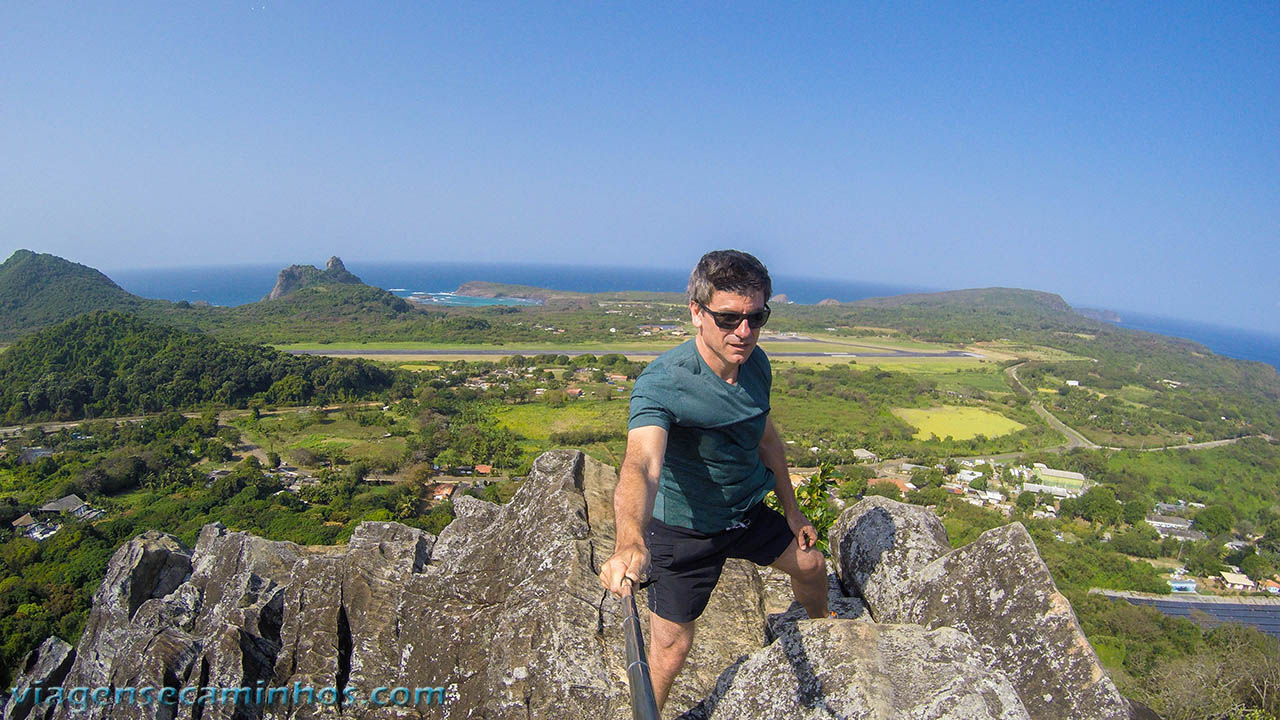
1074	438
633	353
222	417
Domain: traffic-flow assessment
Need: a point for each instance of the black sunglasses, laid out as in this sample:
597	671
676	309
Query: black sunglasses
730	321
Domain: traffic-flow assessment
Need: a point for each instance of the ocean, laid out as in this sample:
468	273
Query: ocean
237	285
1232	342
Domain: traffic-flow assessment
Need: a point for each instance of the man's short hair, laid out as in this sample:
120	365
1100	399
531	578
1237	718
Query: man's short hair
728	271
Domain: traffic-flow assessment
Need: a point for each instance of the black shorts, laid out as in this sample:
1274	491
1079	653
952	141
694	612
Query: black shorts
684	565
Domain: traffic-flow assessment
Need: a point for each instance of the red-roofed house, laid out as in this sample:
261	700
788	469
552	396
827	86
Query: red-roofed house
902	485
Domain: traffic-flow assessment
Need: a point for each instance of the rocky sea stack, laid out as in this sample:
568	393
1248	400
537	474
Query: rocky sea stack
296	277
504	612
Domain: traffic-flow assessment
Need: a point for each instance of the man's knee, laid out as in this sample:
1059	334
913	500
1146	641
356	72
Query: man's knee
670	637
810	564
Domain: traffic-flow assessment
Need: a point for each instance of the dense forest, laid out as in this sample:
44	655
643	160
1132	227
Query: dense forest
108	363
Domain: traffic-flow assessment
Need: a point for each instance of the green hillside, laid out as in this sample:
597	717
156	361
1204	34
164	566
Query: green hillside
38	290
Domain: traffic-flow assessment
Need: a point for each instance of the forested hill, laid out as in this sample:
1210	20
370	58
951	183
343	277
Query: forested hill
37	290
108	363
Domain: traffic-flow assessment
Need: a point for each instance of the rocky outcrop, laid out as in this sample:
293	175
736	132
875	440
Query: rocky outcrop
503	610
878	543
43	669
996	589
864	671
296	277
504	613
827	302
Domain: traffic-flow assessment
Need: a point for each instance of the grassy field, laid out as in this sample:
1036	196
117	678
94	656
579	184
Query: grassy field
961	423
325	431
536	422
828	343
1011	350
818	415
950	373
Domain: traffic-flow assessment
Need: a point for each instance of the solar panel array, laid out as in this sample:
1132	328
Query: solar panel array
1263	617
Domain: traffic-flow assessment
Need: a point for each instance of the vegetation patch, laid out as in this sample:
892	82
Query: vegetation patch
959	423
538	421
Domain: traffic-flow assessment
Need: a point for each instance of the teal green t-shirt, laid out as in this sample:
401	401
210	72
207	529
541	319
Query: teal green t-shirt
712	472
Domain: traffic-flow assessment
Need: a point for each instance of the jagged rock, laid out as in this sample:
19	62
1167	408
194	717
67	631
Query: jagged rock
296	277
504	609
147	567
863	671
879	543
43	668
999	590
779	299
207	618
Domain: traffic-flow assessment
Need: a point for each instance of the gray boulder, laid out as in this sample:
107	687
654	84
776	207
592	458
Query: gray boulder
863	671
877	544
999	590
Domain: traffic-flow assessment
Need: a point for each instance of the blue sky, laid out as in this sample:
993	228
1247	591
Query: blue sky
1122	155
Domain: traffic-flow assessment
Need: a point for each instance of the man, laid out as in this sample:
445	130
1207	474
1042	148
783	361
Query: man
701	455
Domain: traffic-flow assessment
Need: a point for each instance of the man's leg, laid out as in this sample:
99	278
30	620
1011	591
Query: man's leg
669	644
808	573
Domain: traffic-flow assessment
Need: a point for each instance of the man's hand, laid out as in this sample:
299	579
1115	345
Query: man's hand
806	534
628	561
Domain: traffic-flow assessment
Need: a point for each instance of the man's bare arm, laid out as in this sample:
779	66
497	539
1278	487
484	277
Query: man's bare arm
774	455
633	505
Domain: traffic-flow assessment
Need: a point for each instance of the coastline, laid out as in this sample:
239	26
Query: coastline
237	285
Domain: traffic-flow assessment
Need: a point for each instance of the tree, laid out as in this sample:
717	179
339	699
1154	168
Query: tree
885	489
852	488
1140	540
1099	505
1204	558
1256	566
1026	501
449	458
1135	511
1215	520
1271	537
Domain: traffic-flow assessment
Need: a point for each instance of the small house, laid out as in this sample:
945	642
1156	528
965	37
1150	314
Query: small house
67	503
1237	581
